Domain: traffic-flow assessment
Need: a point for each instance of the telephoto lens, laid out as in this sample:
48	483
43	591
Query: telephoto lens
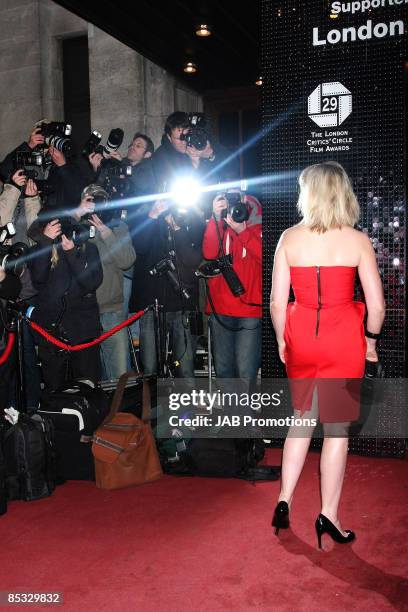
113	143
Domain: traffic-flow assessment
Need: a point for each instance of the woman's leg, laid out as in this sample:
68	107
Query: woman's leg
295	450
332	467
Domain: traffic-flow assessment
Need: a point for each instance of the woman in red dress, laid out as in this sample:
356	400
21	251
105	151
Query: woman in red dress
321	334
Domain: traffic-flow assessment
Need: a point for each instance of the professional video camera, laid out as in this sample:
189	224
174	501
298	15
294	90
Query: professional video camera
57	134
108	213
198	134
236	207
166	267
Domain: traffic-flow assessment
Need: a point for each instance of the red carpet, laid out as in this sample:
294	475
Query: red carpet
206	544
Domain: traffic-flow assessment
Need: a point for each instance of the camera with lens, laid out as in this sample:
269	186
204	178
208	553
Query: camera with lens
116	179
223	265
77	232
34	164
235	207
166	267
113	143
197	134
13	258
57	134
92	143
108	213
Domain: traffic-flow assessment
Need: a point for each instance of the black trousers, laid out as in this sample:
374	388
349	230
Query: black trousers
59	366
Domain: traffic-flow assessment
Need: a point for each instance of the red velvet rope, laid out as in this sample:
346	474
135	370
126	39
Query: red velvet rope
80	347
9	347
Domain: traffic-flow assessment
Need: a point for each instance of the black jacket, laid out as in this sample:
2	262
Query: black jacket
66	300
151	243
168	164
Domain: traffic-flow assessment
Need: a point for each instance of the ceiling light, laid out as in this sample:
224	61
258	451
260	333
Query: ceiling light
333	15
259	81
189	67
203	30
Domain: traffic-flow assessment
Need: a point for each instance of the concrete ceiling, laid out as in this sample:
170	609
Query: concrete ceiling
164	32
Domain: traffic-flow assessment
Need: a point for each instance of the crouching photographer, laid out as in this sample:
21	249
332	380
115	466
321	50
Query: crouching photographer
117	254
66	271
233	238
168	251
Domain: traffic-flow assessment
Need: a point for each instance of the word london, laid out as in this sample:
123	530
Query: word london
364	32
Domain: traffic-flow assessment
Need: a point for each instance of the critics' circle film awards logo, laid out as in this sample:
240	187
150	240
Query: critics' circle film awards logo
329	104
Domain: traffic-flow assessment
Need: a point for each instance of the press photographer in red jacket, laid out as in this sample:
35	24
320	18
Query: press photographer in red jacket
235	321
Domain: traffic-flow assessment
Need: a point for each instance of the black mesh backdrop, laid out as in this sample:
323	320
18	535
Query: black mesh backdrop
370	74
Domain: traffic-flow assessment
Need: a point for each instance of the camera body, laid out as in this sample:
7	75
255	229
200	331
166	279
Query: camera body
116	180
166	267
13	258
35	164
235	207
92	143
108	213
197	134
113	143
57	134
77	232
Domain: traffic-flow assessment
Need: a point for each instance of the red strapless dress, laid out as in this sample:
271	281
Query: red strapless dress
324	335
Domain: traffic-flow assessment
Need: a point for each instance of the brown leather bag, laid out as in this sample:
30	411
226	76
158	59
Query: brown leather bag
123	447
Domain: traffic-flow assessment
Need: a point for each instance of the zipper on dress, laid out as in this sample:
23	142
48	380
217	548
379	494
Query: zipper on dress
319	303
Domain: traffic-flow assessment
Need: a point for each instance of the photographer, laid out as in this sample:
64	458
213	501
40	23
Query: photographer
235	320
116	254
64	182
66	276
160	237
9	289
20	204
171	158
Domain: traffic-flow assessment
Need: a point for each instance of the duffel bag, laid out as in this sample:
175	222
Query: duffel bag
123	447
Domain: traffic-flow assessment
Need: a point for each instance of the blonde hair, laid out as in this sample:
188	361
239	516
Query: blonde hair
327	200
54	257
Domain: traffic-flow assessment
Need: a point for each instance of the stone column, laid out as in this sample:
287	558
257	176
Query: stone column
20	75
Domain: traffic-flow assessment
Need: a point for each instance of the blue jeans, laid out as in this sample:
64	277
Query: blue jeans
183	343
237	354
114	350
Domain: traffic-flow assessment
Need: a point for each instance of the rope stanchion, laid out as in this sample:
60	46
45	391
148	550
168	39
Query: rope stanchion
80	347
9	347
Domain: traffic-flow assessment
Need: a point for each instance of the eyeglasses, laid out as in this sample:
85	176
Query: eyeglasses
137	146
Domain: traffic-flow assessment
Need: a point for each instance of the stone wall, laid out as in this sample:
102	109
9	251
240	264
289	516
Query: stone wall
126	89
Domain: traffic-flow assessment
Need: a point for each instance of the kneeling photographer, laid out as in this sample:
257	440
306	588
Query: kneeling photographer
116	252
168	250
66	271
233	237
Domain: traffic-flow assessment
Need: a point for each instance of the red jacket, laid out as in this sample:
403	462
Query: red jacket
246	250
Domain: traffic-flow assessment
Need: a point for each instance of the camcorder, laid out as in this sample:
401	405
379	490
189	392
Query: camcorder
57	134
12	257
197	134
235	207
166	267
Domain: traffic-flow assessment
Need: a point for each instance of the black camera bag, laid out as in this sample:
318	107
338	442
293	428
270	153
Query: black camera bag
29	458
76	409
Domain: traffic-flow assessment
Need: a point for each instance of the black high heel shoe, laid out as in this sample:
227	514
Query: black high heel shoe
280	518
323	525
